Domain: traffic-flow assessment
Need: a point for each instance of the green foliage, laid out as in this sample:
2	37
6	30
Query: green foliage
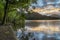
34	1
18	3
17	19
13	16
1	10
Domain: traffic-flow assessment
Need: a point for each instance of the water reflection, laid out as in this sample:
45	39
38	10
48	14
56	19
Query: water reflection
42	22
50	30
52	26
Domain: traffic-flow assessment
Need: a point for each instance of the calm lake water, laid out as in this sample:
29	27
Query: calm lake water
41	30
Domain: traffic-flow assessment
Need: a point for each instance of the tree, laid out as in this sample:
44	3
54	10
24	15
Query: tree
10	10
10	3
5	11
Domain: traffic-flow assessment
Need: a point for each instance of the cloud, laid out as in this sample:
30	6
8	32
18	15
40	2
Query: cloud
44	2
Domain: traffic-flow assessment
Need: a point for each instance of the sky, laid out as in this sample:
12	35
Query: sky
43	2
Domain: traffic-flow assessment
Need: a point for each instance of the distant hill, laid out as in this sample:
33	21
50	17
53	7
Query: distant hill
37	16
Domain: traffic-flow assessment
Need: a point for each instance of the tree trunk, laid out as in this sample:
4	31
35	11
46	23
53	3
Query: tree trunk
5	12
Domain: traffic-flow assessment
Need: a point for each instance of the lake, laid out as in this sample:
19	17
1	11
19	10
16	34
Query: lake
40	30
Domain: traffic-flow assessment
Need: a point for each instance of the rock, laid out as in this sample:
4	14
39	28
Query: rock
7	33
